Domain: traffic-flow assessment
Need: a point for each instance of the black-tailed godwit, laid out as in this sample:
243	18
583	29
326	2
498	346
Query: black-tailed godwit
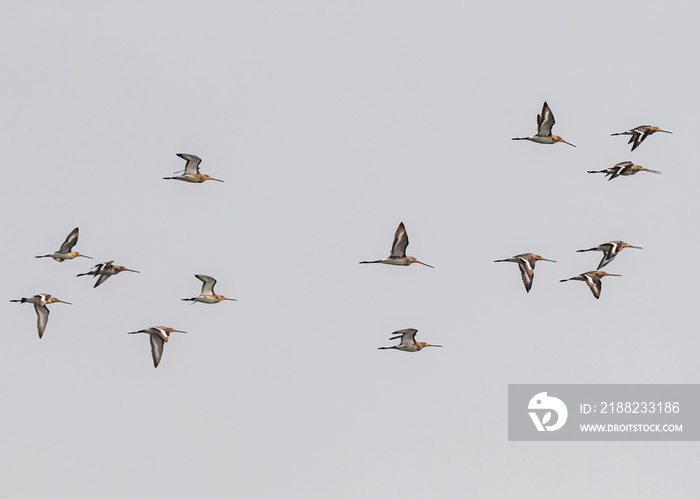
159	335
191	173
625	168
105	270
545	122
526	263
408	341
398	250
42	311
207	295
610	251
593	279
65	253
640	133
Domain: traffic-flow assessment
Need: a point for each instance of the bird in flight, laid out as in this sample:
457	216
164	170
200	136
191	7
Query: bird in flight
545	122
207	295
159	336
65	252
398	250
610	251
191	172
526	263
105	270
593	279
640	133
625	169
408	341
42	311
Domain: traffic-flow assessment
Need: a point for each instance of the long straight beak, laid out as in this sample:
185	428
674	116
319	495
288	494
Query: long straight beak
651	171
129	270
418	261
434	346
85	256
176	331
548	260
614	275
61	301
565	142
665	131
635	247
230	299
216	179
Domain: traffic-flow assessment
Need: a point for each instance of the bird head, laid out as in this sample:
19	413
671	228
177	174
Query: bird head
53	299
207	177
411	260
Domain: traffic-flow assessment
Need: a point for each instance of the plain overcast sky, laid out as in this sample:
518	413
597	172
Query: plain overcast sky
330	124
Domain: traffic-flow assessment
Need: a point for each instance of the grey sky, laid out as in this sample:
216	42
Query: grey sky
330	124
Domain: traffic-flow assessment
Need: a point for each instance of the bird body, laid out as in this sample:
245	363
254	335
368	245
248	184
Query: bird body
408	341
207	295
526	263
398	250
545	122
42	312
610	251
105	270
159	336
624	168
640	133
191	173
65	252
593	279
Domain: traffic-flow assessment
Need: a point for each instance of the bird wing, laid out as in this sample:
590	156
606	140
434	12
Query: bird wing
595	284
638	137
398	248
208	286
101	279
192	165
610	251
408	336
42	318
156	348
101	267
527	271
70	241
545	121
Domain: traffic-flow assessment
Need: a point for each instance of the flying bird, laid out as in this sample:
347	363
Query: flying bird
526	263
610	251
159	335
105	270
65	253
545	122
408	341
593	279
625	168
398	250
207	295
640	133
42	312
191	172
